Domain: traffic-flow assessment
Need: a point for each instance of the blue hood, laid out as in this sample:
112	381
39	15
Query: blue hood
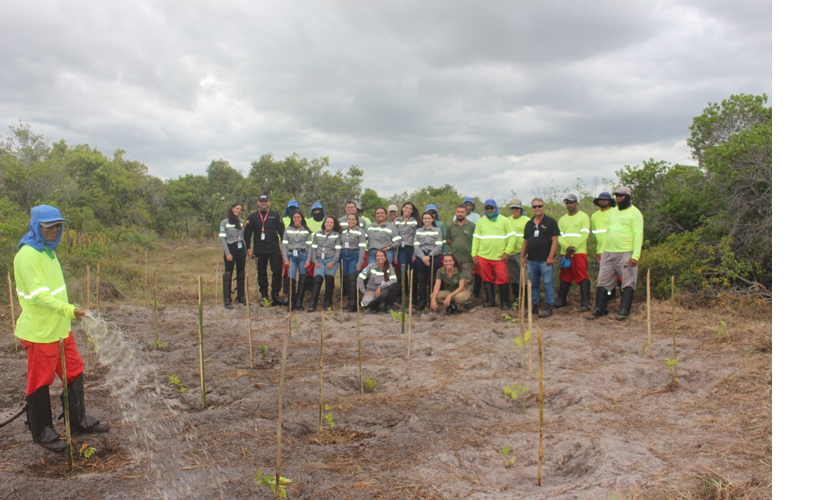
491	202
292	205
315	206
34	237
434	208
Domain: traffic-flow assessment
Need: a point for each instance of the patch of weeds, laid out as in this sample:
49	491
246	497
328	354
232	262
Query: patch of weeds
369	385
721	333
509	456
514	390
174	380
329	416
270	481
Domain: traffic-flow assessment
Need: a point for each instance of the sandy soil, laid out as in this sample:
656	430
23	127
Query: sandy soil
438	420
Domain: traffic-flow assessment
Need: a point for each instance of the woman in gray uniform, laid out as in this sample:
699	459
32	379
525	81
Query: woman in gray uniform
231	232
382	235
377	284
325	253
295	244
428	243
353	245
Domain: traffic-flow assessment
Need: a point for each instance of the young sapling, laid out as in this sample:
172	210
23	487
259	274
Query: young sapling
174	381
87	450
514	390
263	353
270	481
369	384
509	456
329	416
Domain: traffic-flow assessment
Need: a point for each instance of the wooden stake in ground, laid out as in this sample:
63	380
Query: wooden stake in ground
65	409
98	289
540	390
531	341
285	338
409	321
341	296
201	346
674	327
521	309
648	309
146	279
431	279
321	375
13	325
249	330
88	307
156	312
358	334
403	298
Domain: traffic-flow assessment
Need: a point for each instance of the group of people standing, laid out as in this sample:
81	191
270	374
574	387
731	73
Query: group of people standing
454	262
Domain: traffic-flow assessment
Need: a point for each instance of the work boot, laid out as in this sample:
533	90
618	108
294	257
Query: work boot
286	285
226	291
80	422
38	407
300	287
562	293
626	297
279	301
476	288
504	297
240	289
314	294
350	291
601	304
421	303
453	308
489	288
329	287
585	296
545	311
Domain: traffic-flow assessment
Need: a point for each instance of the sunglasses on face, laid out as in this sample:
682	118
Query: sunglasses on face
619	195
537	206
55	226
491	209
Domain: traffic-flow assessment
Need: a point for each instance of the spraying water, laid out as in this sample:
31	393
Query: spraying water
160	436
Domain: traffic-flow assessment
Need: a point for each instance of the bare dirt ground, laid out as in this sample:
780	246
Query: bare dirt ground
437	422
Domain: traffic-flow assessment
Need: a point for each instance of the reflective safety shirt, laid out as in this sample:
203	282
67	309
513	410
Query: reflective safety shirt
574	231
625	232
355	239
493	238
47	314
518	225
379	237
599	228
428	241
325	246
406	229
229	234
295	239
372	278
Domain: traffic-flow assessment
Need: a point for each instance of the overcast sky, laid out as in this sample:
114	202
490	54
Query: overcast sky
487	96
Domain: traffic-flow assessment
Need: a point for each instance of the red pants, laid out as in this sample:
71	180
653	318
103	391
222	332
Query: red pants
44	362
492	271
579	270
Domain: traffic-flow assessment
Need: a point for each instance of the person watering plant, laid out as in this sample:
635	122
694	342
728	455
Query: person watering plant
45	320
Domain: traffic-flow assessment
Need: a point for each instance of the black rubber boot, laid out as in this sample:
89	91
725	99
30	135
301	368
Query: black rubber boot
421	302
562	293
329	287
585	296
240	289
299	287
279	301
39	420
453	308
626	297
350	292
226	291
286	286
476	289
504	297
80	421
489	288
601	304
314	293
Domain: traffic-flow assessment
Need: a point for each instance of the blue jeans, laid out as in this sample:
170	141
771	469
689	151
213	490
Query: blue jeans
321	269
349	259
390	256
536	271
298	265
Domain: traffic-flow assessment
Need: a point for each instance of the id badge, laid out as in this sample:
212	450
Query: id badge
262	238
347	245
239	245
295	253
537	232
322	255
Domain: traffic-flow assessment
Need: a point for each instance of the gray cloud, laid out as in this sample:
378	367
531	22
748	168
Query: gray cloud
414	93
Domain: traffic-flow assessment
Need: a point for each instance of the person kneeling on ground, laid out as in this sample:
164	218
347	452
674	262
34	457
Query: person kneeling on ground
378	284
44	322
453	282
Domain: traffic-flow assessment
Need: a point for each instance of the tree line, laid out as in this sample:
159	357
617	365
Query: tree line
710	224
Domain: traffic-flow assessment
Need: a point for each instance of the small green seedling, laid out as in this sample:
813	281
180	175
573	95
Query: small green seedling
159	346
520	343
266	302
295	323
174	380
398	316
270	481
369	384
263	353
509	456
87	450
721	331
329	416
509	319
671	364
328	314
513	391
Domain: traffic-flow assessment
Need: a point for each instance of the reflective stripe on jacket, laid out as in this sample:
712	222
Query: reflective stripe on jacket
428	241
327	246
41	291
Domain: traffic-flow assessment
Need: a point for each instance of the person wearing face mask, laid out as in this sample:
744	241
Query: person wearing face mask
44	322
316	220
231	232
492	243
574	232
624	242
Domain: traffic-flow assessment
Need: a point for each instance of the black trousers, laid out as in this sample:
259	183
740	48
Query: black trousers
239	256
274	260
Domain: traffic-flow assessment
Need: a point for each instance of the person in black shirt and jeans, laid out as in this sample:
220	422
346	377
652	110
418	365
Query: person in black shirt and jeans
266	228
538	256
